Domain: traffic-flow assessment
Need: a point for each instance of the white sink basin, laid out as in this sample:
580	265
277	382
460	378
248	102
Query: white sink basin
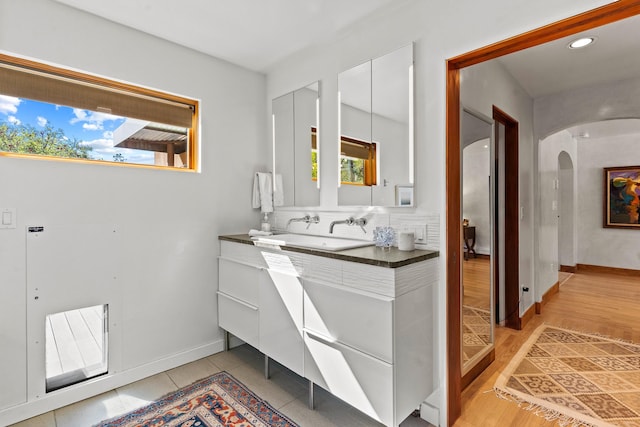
312	242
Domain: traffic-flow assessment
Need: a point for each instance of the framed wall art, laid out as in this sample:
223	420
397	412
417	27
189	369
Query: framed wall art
404	195
622	197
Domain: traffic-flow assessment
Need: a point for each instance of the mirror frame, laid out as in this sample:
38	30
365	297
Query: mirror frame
474	365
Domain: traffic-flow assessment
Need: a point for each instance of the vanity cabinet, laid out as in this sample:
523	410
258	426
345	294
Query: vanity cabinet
261	305
362	332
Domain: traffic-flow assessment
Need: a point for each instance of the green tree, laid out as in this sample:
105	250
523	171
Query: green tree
314	165
48	141
352	170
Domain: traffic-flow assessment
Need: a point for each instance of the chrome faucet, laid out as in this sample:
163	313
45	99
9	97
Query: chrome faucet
350	221
307	218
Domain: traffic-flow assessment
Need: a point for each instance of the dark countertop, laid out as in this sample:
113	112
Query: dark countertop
390	258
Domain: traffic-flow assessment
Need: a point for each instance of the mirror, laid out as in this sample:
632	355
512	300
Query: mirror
376	131
477	231
295	145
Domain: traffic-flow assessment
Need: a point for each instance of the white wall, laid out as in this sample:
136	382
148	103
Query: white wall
548	151
615	247
476	165
168	220
567	201
441	30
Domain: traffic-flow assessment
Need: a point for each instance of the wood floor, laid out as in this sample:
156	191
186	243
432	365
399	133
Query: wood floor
476	282
74	345
606	304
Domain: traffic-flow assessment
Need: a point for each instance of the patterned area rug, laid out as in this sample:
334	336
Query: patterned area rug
578	379
476	331
217	401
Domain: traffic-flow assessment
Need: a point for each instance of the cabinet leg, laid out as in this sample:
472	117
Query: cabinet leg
226	341
312	401
267	373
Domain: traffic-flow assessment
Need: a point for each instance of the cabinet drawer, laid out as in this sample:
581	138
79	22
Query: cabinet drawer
360	380
239	280
239	318
354	318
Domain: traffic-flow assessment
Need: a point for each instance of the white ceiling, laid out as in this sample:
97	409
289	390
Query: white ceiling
256	34
552	67
251	33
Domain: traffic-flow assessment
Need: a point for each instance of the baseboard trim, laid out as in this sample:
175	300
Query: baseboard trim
547	296
527	316
587	268
94	387
569	268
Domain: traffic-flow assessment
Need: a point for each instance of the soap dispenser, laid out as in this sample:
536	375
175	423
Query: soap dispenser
265	226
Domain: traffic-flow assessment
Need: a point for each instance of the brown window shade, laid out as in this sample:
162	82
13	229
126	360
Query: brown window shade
314	138
353	148
24	82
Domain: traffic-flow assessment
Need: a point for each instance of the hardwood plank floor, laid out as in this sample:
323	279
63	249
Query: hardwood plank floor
75	342
476	276
606	304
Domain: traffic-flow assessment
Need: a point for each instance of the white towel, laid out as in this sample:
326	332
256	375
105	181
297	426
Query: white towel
263	192
264	196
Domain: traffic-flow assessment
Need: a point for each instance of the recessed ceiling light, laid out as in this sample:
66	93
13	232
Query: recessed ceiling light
581	42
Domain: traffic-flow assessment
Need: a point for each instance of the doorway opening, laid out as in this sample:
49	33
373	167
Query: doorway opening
76	345
507	216
597	17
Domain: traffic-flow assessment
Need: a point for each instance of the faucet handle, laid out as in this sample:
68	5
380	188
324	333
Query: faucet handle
311	220
361	222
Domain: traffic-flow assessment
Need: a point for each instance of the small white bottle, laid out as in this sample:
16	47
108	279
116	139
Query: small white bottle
265	226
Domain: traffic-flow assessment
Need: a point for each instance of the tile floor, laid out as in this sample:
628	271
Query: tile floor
285	391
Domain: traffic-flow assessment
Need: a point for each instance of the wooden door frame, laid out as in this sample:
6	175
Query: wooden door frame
591	19
511	279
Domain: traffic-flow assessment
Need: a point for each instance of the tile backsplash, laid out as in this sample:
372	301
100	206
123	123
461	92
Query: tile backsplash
430	223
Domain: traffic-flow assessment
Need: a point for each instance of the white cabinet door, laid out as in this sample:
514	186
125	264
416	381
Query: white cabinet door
239	280
362	381
239	318
281	319
355	318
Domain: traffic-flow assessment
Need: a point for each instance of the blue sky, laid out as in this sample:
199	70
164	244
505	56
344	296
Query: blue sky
94	129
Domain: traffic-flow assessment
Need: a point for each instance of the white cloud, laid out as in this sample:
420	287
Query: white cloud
79	115
103	149
42	121
101	144
9	104
92	126
91	120
14	120
108	134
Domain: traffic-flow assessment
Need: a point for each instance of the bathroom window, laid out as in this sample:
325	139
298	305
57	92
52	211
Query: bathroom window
357	162
76	346
314	154
56	113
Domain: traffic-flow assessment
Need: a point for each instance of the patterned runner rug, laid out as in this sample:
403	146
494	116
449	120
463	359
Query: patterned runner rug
576	378
217	401
476	331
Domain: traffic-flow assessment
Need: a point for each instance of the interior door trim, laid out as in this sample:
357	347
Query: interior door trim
594	18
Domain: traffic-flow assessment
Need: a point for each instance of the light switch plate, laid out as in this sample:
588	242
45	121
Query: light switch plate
7	218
